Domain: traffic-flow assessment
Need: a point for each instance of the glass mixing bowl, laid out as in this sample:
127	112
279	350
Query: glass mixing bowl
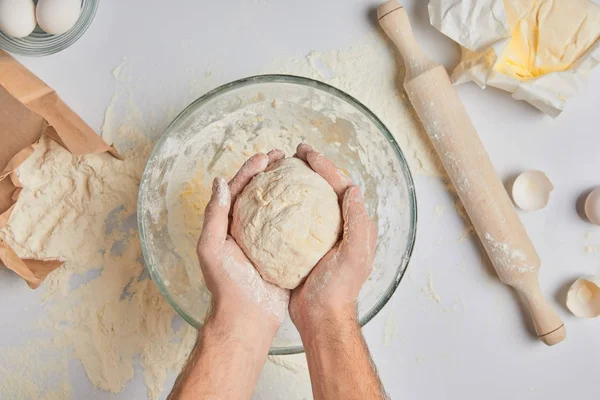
39	43
217	132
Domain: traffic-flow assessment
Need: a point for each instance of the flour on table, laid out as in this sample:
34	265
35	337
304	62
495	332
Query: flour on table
82	210
592	248
372	71
439	210
429	290
390	328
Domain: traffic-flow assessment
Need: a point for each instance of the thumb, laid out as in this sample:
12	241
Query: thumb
216	218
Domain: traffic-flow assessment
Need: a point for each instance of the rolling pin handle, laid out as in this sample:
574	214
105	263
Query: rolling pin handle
548	325
395	23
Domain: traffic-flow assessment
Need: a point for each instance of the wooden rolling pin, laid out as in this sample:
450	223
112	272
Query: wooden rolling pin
472	173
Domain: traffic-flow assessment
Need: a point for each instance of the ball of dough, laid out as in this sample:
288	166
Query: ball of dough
286	219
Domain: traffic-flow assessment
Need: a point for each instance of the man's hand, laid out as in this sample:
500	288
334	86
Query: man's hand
333	285
234	342
237	288
323	308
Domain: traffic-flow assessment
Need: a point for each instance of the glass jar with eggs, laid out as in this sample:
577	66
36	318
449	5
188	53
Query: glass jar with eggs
43	27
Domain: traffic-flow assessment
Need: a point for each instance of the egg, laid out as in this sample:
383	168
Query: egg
531	190
57	16
583	298
17	17
592	206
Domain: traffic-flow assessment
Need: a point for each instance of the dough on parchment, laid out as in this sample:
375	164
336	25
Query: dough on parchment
286	219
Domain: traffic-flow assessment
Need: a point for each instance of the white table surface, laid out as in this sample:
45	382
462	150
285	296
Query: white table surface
475	343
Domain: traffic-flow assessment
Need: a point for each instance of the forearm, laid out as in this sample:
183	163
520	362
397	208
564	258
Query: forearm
338	359
226	360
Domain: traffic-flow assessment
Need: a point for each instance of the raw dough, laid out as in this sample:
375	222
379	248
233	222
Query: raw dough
286	220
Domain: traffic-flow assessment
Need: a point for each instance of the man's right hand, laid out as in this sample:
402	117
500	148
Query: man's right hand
323	308
332	287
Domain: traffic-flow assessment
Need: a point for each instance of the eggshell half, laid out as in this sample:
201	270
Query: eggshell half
583	298
531	190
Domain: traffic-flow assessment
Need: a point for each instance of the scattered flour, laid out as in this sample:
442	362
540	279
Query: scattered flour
439	210
370	71
32	381
430	290
390	329
589	235
87	217
458	301
592	248
507	257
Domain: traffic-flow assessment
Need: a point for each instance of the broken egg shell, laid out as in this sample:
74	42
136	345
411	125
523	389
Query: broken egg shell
531	190
583	298
592	206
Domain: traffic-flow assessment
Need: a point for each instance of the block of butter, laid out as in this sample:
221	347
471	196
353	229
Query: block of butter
539	50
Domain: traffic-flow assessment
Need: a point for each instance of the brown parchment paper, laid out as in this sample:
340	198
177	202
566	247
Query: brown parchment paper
29	109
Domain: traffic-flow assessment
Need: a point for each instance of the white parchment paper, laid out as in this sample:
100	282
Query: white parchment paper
483	30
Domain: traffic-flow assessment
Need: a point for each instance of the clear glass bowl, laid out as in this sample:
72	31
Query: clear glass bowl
39	43
336	123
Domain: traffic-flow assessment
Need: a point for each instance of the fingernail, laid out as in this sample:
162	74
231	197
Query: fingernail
304	148
264	161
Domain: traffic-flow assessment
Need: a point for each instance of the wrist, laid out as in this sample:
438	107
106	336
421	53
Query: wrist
320	323
249	328
229	354
246	312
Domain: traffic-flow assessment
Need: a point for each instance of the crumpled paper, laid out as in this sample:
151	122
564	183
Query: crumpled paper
29	109
502	40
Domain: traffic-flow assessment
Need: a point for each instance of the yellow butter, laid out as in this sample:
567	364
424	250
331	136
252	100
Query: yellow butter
547	36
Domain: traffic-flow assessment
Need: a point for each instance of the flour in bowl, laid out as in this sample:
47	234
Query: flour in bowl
217	137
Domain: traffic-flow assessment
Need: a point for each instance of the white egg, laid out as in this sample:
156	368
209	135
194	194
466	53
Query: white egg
583	298
17	17
57	16
531	190
592	206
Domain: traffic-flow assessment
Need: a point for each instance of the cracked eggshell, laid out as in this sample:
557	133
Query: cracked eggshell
592	206
531	190
583	298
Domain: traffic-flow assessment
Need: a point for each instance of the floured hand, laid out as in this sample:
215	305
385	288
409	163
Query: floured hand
333	285
234	341
236	286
